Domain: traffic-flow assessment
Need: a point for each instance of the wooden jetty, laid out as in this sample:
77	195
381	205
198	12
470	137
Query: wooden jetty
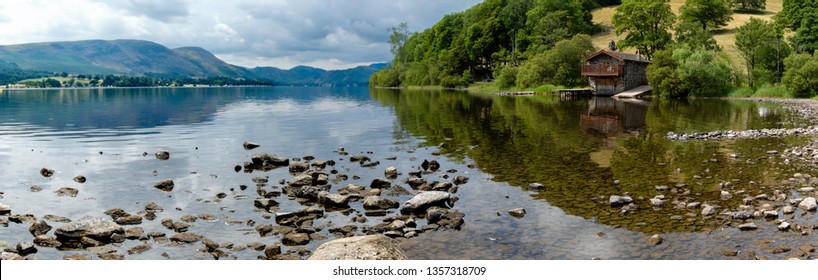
634	92
573	92
516	93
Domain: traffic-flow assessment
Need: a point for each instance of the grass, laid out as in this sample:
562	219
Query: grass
726	38
767	90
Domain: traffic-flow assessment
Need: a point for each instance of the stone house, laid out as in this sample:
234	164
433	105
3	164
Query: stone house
610	72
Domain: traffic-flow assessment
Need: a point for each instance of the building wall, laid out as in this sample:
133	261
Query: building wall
635	74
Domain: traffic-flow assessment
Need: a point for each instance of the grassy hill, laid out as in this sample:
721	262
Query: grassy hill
726	38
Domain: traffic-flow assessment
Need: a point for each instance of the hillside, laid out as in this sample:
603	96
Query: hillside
726	38
136	58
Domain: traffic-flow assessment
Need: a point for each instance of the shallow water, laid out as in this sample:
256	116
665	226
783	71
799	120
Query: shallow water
576	148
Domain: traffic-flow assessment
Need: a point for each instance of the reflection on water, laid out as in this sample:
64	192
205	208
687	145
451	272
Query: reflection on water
582	151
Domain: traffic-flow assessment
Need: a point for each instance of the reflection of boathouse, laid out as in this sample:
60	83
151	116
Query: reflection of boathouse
612	72
609	117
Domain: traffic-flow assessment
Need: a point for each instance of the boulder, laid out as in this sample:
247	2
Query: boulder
617	200
80	179
380	183
301	180
166	185
808	204
747	226
422	201
517	212
250	145
39	227
379	202
298	167
91	227
295	239
186	237
45	172
5	209
708	210
369	247
333	199
265	161
72	192
162	155
391	172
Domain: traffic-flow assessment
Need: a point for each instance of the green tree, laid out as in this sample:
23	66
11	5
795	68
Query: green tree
749	5
795	11
806	36
690	71
708	13
397	39
760	44
558	66
801	76
646	23
689	33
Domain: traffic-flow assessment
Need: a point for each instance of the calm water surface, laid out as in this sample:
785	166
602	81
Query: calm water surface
576	148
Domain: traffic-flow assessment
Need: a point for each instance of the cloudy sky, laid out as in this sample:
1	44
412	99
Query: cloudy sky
330	34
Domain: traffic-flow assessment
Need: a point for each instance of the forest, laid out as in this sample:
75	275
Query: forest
525	44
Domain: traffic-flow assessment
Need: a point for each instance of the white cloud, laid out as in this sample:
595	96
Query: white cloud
249	33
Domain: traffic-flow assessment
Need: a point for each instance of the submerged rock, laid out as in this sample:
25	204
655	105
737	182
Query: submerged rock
250	145
517	212
422	201
72	192
369	247
162	155
90	227
45	172
166	185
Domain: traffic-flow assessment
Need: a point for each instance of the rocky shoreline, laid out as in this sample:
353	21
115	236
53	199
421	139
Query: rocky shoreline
404	204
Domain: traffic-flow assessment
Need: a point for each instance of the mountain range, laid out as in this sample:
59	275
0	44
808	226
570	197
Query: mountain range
137	57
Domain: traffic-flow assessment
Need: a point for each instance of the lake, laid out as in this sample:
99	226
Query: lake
581	151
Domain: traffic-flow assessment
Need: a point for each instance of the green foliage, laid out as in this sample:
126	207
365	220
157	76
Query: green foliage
691	34
768	90
795	11
491	35
560	66
749	5
707	13
647	23
806	37
741	92
11	73
801	77
686	71
507	77
760	44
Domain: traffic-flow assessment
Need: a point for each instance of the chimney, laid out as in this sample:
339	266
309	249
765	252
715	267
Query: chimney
639	55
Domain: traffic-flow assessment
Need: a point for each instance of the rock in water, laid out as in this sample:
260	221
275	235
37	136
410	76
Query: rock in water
80	179
536	186
166	185
333	199
265	161
747	226
39	227
72	192
46	172
517	212
378	202
424	200
380	183
369	247
391	172
162	155
295	239
91	227
808	204
250	145
655	240
617	200
5	209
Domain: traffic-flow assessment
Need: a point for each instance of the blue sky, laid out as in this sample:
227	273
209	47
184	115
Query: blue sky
282	33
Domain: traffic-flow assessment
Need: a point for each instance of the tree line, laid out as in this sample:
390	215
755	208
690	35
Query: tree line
85	80
525	43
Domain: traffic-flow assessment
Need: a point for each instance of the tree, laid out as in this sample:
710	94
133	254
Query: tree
397	39
759	43
708	13
646	23
749	5
558	66
794	12
806	36
801	77
689	33
690	71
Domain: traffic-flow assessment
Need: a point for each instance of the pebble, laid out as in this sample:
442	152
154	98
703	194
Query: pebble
655	240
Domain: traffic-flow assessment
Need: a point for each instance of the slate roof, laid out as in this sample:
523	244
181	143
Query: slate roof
619	56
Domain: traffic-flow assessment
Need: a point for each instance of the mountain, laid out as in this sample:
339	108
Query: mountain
137	57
